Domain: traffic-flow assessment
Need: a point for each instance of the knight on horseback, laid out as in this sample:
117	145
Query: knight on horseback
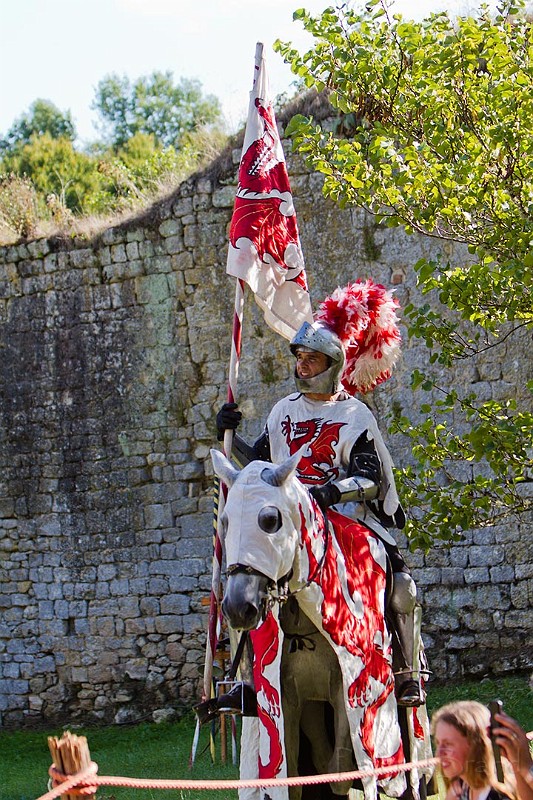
350	347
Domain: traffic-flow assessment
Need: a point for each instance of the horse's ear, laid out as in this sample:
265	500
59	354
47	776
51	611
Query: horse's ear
224	468
278	475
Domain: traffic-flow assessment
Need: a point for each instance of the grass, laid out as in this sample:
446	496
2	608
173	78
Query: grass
162	751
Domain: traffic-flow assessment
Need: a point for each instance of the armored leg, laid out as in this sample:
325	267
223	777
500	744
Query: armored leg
405	616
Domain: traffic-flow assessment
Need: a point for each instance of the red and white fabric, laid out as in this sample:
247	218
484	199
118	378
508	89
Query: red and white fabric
264	248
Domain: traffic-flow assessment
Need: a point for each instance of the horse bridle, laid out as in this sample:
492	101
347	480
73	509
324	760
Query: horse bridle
282	597
283	583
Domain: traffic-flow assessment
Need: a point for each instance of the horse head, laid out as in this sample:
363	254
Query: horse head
260	531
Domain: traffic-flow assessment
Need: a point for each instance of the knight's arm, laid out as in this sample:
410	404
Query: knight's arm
362	481
362	484
365	462
244	452
355	489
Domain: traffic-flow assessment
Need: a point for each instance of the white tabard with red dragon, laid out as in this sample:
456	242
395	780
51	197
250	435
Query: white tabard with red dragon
329	430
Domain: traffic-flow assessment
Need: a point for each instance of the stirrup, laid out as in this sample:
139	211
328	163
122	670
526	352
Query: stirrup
410	694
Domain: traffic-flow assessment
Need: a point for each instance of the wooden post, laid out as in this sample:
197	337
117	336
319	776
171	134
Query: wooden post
70	755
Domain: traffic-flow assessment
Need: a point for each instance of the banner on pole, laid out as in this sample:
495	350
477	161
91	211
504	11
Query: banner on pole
264	248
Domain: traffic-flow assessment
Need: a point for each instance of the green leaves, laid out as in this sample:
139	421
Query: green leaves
42	118
156	131
495	441
153	105
439	142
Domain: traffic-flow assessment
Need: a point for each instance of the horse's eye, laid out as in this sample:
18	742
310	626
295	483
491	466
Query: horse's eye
269	519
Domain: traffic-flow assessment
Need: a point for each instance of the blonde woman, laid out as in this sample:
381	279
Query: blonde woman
461	735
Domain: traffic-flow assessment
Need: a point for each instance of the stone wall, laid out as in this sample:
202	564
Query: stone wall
114	357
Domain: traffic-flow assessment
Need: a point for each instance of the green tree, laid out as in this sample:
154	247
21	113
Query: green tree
434	134
140	170
55	168
153	105
42	117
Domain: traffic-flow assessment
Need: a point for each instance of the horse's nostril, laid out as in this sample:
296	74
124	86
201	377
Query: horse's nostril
242	615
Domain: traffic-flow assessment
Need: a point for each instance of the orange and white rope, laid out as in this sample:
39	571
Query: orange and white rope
89	780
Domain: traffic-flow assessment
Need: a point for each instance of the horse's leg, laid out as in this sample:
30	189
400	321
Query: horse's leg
331	744
313	724
291	708
342	759
305	673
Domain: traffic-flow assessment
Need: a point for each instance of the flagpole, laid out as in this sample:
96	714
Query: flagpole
263	232
236	342
218	507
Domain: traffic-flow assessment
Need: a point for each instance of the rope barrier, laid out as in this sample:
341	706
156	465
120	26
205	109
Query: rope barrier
89	780
86	782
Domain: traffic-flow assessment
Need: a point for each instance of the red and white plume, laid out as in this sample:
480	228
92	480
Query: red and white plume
363	315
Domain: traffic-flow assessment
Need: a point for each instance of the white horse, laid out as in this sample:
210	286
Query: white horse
278	545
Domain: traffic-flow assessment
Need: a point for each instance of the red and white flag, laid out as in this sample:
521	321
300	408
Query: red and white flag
264	248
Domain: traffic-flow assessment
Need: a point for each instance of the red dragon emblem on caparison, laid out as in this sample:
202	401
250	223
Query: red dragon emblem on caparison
316	466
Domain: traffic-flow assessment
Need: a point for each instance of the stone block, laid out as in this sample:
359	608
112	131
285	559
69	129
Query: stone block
483	536
175	604
152	288
427	576
128	607
494	597
476	575
201	202
460	642
522	594
196	525
439	619
502	574
190	235
174	244
485	555
158	516
453	576
118	254
519	618
524	571
182	207
61	609
438	557
520	552
458	557
168	624
224	197
476	619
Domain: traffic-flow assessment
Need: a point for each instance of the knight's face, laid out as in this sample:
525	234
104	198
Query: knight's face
310	363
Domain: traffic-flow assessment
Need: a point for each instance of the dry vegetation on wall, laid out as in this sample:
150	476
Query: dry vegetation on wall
24	216
21	218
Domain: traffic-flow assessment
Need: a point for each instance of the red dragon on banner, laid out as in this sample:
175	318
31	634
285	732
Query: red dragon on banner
264	248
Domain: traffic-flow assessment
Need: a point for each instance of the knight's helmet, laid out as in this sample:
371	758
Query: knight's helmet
357	329
317	336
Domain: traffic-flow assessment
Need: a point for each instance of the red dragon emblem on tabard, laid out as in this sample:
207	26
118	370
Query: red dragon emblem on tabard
317	463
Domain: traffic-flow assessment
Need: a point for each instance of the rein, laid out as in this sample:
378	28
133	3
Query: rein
283	584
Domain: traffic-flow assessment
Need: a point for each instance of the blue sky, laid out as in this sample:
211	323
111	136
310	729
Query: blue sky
60	49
